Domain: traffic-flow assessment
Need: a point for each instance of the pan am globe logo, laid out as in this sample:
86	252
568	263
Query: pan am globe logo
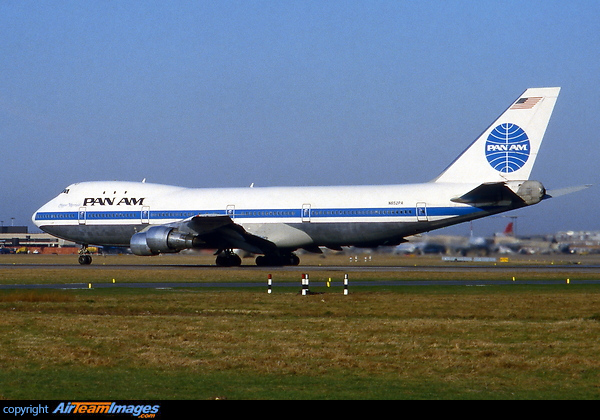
507	148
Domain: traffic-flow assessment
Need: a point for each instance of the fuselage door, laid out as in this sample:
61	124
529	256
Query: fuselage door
145	215
305	213
81	215
231	211
422	212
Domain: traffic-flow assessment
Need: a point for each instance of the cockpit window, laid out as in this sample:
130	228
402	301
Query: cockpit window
65	191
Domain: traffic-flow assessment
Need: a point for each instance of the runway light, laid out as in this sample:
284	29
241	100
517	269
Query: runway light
305	285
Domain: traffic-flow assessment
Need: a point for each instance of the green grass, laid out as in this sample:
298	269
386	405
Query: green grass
531	342
110	384
444	342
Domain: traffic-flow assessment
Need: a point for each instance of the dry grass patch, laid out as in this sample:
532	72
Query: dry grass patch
371	332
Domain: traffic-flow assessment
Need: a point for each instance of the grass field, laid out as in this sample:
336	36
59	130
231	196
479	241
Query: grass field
446	342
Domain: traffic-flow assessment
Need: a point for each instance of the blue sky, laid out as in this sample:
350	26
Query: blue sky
228	93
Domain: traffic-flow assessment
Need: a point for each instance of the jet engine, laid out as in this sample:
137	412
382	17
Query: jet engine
161	239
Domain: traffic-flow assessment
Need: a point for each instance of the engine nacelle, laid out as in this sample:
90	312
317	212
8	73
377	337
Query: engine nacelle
160	239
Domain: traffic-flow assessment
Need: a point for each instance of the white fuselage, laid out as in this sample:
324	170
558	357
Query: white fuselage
109	213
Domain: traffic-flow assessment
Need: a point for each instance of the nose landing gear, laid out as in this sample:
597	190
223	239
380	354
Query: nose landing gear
85	256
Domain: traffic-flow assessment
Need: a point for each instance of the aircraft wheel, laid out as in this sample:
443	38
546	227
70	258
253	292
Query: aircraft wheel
85	259
277	261
260	261
268	261
235	260
294	260
228	260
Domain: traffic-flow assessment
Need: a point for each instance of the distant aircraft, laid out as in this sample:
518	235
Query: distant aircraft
491	176
481	245
508	230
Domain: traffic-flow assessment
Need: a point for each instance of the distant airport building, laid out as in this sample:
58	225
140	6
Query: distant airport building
584	236
13	229
580	242
17	239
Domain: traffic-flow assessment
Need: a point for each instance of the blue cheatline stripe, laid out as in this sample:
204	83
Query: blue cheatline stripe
315	213
56	215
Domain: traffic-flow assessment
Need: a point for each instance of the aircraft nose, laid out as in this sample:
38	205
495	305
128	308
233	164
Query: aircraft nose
34	218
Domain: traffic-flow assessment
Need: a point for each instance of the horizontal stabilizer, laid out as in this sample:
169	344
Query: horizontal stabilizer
488	194
567	190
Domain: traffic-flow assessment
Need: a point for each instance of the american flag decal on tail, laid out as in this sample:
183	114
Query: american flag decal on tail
526	103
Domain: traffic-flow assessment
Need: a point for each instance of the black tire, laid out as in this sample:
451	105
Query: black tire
85	259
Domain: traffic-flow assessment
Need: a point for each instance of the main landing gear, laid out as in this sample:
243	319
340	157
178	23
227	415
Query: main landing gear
228	258
277	260
85	256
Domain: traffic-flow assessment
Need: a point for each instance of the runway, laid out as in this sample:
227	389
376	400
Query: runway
367	268
287	285
591	271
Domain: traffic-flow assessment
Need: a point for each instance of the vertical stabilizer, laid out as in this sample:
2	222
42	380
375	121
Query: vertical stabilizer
507	150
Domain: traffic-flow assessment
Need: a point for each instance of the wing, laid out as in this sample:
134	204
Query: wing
202	231
221	232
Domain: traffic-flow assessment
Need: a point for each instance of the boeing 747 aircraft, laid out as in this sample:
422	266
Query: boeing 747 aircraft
491	176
